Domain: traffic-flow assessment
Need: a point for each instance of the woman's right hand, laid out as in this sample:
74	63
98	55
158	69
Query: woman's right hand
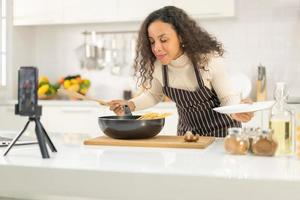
117	106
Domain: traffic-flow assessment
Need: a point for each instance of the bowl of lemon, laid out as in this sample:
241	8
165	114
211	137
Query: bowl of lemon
75	83
47	90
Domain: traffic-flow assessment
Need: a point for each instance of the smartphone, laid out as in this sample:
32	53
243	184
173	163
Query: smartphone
27	91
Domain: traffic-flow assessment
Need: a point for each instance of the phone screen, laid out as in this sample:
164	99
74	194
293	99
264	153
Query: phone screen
27	90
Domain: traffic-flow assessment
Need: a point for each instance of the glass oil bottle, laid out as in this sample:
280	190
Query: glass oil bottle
282	121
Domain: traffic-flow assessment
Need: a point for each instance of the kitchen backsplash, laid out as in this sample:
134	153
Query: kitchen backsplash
266	32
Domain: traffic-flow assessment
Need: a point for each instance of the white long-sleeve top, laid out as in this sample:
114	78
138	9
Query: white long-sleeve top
181	75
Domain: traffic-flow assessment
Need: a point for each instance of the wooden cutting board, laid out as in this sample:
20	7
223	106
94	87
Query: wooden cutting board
157	141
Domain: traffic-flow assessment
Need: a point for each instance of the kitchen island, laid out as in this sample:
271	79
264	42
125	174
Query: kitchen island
128	173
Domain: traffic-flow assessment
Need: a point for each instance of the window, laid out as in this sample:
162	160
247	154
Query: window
3	44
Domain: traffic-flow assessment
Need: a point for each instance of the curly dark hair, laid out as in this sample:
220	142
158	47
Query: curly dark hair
198	43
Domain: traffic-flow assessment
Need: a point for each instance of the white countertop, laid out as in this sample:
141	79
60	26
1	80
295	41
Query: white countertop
130	173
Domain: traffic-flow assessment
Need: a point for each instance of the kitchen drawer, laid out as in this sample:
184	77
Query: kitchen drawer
68	119
10	121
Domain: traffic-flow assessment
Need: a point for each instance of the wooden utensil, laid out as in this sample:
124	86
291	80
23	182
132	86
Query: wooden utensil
80	96
167	141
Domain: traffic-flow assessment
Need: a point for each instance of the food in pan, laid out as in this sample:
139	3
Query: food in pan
153	115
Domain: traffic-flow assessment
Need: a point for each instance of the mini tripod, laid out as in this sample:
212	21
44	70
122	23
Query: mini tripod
40	132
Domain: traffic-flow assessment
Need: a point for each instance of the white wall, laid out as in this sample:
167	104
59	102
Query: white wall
23	52
265	31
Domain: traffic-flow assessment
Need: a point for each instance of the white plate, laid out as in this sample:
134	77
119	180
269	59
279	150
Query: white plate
240	108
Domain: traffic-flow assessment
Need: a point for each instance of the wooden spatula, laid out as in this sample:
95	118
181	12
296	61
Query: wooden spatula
80	96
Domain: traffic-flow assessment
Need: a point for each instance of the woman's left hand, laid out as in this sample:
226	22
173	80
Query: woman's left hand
243	117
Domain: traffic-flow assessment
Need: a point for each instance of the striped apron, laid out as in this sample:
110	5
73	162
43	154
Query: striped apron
195	109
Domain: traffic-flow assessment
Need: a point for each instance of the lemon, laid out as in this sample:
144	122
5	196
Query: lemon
42	83
43	89
67	84
83	90
74	87
51	91
87	82
74	81
43	79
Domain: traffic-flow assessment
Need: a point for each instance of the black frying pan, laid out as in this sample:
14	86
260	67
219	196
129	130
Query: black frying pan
128	127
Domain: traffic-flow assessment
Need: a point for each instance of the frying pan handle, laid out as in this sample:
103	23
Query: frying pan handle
127	111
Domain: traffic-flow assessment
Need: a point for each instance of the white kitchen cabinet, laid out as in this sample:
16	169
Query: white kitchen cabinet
75	117
43	12
72	119
9	121
137	10
88	11
55	118
207	8
37	12
82	117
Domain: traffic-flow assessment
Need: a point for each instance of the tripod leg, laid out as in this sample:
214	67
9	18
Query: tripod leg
16	139
41	139
48	140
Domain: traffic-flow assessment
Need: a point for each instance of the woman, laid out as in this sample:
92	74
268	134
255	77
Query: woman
177	58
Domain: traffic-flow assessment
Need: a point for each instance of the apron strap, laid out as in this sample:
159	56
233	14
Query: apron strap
165	75
199	79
